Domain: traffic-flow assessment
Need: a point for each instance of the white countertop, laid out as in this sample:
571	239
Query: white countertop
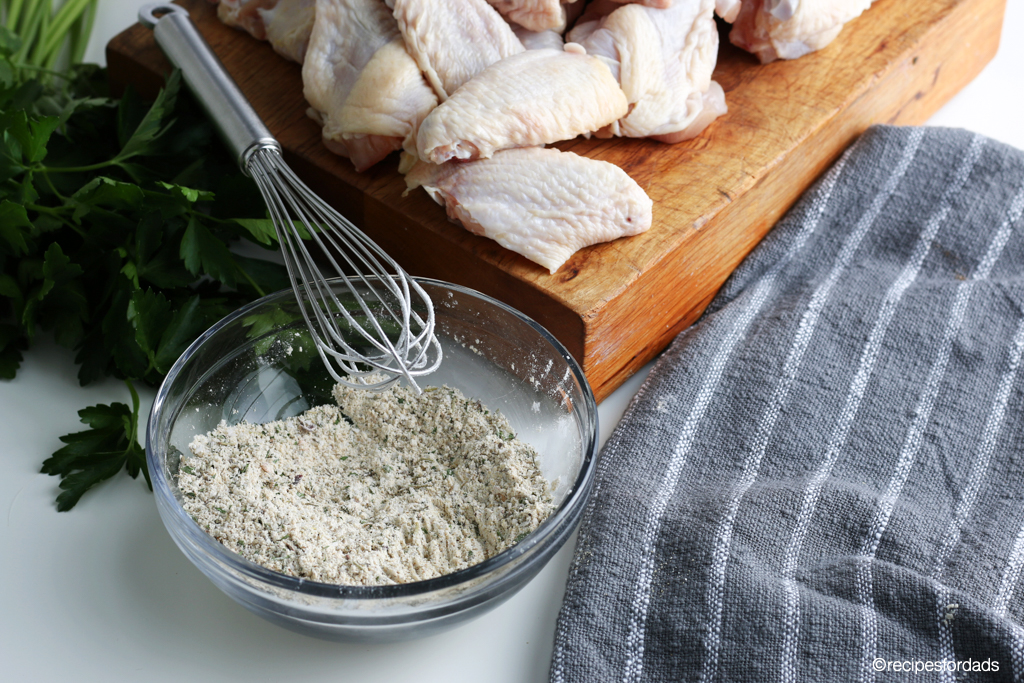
102	593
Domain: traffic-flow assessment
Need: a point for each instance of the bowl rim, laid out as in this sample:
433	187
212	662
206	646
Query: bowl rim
568	510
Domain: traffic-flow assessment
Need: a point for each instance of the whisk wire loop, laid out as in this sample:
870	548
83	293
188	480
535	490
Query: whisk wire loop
397	288
377	287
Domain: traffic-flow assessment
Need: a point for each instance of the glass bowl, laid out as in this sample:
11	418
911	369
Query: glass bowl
258	365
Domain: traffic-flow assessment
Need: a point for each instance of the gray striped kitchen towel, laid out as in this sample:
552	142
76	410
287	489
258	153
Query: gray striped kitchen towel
823	479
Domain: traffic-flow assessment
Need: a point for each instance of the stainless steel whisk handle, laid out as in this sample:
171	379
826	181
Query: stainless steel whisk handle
239	125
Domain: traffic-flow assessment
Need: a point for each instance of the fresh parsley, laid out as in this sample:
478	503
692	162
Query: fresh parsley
116	220
108	446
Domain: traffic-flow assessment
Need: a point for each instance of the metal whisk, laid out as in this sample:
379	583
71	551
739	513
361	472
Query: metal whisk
390	318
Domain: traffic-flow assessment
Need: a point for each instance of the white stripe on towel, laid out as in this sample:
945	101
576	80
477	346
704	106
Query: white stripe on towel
858	386
637	623
912	443
645	575
975	479
1001	603
1017	651
752	463
633	668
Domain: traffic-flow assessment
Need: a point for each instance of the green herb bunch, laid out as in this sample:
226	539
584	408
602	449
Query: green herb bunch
116	218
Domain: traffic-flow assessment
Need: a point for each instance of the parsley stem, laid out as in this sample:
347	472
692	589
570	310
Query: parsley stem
135	408
53	188
41	69
49	211
134	435
55	34
29	28
13	13
39	36
78	169
80	36
259	290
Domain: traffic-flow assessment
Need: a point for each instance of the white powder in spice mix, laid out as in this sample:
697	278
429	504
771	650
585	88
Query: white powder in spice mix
412	488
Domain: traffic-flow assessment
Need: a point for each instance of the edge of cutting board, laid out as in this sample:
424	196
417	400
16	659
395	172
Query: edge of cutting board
616	305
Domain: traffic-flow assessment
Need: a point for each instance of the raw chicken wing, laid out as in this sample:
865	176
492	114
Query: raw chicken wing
453	40
787	29
533	98
663	59
361	83
245	15
728	9
535	40
535	15
541	203
286	24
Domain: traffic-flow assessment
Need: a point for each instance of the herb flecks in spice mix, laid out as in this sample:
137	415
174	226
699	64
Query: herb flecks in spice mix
412	488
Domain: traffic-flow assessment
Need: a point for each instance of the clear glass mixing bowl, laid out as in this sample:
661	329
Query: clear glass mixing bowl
258	364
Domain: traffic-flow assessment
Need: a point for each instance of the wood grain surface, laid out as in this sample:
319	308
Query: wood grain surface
616	305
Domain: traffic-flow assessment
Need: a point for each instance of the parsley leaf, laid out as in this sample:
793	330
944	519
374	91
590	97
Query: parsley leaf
15	228
117	219
154	123
116	224
12	343
98	453
204	253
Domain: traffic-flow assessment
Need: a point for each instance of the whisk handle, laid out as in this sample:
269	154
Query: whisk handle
239	125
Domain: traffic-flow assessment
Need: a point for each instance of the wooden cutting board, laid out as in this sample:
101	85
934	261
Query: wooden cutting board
616	305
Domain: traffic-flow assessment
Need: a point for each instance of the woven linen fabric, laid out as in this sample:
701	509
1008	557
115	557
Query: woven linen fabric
823	479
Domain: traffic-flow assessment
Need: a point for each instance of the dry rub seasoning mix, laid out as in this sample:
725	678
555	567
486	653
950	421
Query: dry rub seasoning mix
389	487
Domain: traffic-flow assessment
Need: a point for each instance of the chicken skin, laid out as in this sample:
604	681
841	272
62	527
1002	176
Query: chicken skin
453	40
541	203
663	59
533	98
285	24
361	83
787	29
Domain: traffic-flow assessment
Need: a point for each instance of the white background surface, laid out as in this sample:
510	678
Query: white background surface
102	594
